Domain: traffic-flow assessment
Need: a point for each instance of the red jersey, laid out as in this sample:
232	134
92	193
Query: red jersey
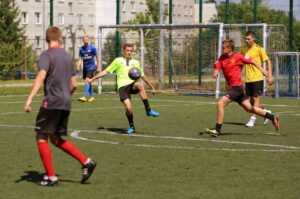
232	68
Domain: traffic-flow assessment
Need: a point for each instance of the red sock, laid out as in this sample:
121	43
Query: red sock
45	154
69	148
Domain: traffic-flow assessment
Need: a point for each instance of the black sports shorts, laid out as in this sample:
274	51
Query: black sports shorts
51	121
237	94
88	73
255	88
126	91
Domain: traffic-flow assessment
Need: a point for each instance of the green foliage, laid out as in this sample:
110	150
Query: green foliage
10	58
243	13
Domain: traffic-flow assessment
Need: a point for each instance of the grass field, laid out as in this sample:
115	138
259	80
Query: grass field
168	157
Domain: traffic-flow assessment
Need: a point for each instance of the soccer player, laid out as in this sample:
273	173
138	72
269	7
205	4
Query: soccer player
56	72
254	77
232	64
127	86
87	54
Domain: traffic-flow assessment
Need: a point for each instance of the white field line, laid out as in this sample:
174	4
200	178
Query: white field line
75	133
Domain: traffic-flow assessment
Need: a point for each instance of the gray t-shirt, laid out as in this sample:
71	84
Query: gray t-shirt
60	69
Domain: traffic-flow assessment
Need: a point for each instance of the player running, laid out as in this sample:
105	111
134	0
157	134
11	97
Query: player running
232	64
254	77
127	86
87	54
56	72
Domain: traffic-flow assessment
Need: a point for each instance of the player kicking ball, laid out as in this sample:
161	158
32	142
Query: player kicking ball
232	64
128	86
56	72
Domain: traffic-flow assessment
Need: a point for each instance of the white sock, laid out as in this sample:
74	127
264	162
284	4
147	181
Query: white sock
87	161
253	118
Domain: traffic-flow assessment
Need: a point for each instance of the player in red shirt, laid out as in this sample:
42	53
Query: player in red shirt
232	64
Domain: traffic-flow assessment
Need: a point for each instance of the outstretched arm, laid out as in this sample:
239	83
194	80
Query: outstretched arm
103	73
145	78
78	64
216	72
260	68
38	82
269	78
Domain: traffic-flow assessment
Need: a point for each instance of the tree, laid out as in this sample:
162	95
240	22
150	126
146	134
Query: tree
12	38
243	13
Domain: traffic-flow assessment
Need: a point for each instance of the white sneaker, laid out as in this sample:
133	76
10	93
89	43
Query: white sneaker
251	122
265	119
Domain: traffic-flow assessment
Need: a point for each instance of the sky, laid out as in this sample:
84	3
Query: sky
277	5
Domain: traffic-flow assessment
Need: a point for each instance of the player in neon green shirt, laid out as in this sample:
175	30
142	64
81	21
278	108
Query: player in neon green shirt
127	86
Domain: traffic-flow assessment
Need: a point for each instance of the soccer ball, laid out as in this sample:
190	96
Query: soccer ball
134	73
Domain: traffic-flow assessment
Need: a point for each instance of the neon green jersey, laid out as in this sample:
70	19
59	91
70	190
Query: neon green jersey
121	66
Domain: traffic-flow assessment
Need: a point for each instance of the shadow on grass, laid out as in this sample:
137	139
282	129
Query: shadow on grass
235	123
116	130
225	134
35	177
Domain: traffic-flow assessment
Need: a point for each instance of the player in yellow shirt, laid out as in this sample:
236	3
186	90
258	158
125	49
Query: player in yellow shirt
254	77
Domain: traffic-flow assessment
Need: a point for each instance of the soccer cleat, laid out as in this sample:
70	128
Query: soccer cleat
250	123
83	99
130	130
266	120
212	132
152	113
276	122
49	181
92	99
87	170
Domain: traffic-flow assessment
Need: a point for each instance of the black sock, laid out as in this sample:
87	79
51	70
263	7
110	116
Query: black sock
130	119
269	116
218	127
146	103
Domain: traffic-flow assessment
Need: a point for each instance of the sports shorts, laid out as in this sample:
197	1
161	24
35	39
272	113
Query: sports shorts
88	73
52	121
237	94
255	88
126	91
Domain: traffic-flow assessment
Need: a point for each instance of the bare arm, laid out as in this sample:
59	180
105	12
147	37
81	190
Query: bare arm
38	82
216	72
79	63
73	84
260	68
103	73
269	77
145	78
98	65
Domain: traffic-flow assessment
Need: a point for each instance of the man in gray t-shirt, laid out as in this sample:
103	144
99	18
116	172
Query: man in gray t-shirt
56	72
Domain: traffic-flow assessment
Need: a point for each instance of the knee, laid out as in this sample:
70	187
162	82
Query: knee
220	104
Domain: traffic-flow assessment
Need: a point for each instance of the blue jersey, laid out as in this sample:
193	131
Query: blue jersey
87	54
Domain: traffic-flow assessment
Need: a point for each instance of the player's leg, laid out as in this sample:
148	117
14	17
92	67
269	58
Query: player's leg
249	88
261	112
87	87
91	75
138	87
220	116
129	115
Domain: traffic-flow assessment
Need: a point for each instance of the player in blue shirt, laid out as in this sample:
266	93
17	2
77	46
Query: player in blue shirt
87	54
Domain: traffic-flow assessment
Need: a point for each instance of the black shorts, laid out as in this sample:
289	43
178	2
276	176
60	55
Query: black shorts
51	121
88	73
126	91
237	94
255	88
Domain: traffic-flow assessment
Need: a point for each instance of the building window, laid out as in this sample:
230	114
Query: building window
70	7
61	19
37	42
132	6
91	20
80	1
90	1
24	18
124	6
79	19
61	1
191	11
37	18
185	11
37	0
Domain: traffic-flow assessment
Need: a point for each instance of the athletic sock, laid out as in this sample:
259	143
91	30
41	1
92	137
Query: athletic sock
253	118
91	90
269	116
218	127
69	148
147	106
45	154
86	90
130	119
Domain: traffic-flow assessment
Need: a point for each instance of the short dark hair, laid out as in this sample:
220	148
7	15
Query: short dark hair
228	43
53	33
250	33
127	45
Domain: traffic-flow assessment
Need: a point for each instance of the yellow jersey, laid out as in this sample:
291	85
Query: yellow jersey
258	54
